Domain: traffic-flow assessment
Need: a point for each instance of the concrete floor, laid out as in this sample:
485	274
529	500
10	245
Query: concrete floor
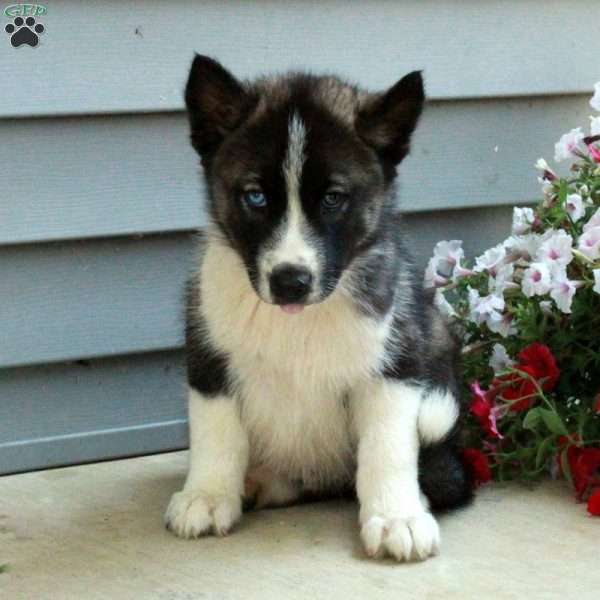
96	532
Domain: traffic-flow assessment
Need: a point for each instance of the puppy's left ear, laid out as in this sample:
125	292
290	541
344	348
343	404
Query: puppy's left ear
386	121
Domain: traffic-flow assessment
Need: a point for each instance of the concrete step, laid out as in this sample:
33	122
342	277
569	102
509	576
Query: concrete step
96	531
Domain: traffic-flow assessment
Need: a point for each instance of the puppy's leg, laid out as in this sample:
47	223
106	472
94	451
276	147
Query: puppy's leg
211	499
394	516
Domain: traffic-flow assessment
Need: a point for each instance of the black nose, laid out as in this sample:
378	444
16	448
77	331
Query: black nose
290	284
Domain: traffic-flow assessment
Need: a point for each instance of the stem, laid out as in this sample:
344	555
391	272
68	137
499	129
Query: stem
581	256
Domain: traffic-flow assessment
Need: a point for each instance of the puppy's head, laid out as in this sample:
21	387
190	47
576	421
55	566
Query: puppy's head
298	168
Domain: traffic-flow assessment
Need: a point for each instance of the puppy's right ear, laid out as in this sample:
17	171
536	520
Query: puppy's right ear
217	103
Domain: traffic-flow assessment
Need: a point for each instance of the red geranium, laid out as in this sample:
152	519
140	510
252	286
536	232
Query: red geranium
585	468
593	504
518	389
477	465
540	358
537	361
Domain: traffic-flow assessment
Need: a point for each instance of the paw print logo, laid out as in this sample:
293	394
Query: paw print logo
24	32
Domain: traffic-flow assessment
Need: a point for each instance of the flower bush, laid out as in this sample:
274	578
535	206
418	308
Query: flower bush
528	312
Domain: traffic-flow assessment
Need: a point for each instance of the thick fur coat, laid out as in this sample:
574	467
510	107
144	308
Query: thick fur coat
317	364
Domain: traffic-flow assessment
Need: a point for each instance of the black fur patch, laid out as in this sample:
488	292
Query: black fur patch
442	476
206	366
353	140
216	104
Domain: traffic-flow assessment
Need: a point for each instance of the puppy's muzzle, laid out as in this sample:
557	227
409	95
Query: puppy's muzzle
290	284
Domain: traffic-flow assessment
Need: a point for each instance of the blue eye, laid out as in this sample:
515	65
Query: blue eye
333	201
254	199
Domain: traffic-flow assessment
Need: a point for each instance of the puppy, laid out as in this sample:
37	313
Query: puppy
316	361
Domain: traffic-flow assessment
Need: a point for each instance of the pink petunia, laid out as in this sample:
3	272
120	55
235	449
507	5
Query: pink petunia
594	153
483	408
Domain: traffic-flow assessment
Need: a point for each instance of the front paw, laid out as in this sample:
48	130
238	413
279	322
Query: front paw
192	513
404	538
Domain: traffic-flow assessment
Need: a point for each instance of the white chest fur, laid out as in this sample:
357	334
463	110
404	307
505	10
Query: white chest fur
292	372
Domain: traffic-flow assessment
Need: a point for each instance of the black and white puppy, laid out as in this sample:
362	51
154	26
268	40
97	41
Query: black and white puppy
316	361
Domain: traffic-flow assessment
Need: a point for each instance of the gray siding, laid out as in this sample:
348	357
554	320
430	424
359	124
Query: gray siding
121	175
91	298
81	411
127	55
101	189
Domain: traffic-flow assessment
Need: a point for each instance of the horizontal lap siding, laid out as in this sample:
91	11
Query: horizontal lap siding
70	300
76	412
132	56
97	207
65	301
101	176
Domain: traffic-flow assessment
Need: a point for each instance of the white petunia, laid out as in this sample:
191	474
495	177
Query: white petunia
546	307
593	222
547	173
500	360
589	243
595	101
537	280
445	263
443	305
596	273
432	278
522	220
482	307
574	206
523	246
547	188
594	125
502	324
490	260
568	144
488	309
556	249
503	280
460	271
542	165
563	290
451	250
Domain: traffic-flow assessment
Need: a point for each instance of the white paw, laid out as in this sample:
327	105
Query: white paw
192	513
416	537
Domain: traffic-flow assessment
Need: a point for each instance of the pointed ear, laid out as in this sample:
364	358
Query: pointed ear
217	103
386	121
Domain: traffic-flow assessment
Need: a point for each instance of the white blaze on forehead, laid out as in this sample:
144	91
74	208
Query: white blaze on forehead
294	159
291	241
292	246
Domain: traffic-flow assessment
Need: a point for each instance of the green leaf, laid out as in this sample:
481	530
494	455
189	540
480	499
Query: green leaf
4	568
563	191
553	422
542	451
532	419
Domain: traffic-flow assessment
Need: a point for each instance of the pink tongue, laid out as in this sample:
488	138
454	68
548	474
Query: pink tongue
292	309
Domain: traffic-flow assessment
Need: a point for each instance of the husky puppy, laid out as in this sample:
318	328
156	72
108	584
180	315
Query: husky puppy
316	361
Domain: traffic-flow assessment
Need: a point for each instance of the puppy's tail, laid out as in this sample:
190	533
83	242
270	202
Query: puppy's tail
442	475
438	414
